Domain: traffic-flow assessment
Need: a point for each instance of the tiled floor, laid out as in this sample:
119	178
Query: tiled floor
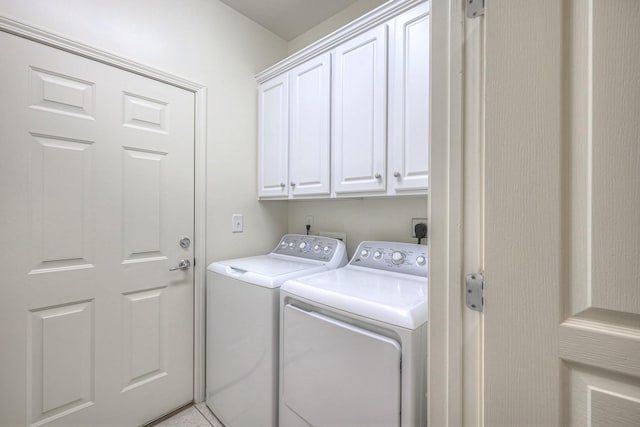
197	415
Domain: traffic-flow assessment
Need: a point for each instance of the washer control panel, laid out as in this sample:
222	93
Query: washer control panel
309	247
407	258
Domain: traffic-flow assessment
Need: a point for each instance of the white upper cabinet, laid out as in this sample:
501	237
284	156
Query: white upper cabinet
309	131
348	116
359	113
408	143
273	139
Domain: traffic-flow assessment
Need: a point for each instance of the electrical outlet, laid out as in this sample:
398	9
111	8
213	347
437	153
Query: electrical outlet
237	223
415	221
308	219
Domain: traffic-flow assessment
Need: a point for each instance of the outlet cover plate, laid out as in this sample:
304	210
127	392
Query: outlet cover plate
415	221
237	223
308	219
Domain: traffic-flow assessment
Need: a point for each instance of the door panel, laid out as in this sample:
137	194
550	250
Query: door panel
62	376
97	189
61	193
563	215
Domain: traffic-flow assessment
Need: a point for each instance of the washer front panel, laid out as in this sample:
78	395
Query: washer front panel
335	373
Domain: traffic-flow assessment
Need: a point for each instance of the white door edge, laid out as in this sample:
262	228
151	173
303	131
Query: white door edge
43	36
446	310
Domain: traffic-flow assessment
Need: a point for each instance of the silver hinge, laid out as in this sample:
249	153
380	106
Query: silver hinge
475	8
474	291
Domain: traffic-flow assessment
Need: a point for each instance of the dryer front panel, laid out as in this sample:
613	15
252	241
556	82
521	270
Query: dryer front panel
335	373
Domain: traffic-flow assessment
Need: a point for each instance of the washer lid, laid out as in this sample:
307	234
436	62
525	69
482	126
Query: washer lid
268	266
266	270
397	299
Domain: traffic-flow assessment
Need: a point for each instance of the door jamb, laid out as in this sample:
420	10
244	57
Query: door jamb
445	360
42	36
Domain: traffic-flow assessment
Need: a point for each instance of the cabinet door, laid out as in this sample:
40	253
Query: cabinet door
273	142
309	138
359	113
409	102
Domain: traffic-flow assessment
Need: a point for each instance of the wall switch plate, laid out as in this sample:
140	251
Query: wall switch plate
237	223
334	235
415	221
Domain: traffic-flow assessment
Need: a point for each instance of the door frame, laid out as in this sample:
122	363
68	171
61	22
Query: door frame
446	216
45	37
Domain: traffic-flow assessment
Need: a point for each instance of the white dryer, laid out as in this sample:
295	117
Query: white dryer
242	326
353	341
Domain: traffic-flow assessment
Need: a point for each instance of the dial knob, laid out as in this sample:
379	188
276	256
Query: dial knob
364	253
316	248
421	260
302	245
283	244
326	249
377	255
291	245
397	257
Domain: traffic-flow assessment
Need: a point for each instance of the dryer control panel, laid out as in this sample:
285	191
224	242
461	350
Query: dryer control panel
406	258
316	248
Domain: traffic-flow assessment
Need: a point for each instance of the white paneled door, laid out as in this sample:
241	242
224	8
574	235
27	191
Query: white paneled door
96	190
562	212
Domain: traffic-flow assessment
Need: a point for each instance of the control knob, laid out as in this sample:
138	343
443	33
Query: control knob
377	255
316	248
421	260
397	257
302	245
326	249
364	253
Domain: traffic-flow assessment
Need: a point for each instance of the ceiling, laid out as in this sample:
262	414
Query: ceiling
288	18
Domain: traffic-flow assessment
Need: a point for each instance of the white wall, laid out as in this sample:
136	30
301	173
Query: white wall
204	41
331	24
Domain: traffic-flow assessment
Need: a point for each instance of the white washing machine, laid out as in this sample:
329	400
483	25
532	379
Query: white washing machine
353	341
242	325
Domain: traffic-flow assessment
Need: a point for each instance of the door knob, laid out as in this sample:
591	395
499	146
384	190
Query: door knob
396	174
183	265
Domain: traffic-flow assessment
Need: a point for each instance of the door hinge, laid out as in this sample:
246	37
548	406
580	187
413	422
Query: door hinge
475	8
474	291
